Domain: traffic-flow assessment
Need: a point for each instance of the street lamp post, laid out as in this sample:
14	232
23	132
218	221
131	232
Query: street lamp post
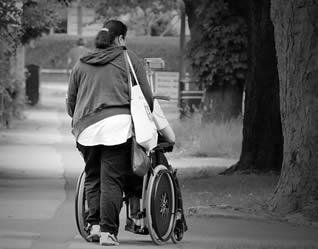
181	49
79	18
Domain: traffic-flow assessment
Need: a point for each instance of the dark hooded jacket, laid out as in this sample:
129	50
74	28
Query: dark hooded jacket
98	87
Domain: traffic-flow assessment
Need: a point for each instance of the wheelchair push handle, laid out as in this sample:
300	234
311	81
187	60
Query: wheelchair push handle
161	97
165	146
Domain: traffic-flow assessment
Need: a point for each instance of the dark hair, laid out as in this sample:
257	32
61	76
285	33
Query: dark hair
80	42
106	38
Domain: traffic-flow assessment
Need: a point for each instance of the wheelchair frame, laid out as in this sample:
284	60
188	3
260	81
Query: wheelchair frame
162	218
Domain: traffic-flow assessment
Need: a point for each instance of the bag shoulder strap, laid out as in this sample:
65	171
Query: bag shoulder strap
132	69
130	65
128	73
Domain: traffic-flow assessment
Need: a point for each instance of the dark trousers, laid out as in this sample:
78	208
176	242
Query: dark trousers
108	176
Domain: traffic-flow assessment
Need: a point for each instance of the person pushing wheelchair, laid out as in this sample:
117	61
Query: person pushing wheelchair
98	103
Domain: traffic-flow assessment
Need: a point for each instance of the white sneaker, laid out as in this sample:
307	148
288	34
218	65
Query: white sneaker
94	233
108	239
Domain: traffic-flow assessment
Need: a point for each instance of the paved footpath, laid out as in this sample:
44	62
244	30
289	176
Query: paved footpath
39	167
38	171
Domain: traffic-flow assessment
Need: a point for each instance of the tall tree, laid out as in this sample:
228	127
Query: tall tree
296	36
10	15
262	145
20	22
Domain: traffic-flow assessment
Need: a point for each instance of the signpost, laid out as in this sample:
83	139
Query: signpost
166	83
153	63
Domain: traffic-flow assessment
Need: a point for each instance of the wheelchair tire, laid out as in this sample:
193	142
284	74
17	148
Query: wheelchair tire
161	205
178	232
81	211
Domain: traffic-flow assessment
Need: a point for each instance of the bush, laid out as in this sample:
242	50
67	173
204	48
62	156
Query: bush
51	51
224	35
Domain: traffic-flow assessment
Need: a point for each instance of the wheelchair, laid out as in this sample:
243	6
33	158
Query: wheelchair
161	212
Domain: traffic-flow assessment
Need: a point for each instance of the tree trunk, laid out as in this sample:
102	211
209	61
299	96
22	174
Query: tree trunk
5	68
190	9
79	18
262	133
296	34
222	103
4	65
148	22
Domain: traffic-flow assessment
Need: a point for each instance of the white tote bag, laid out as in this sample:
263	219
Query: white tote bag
144	127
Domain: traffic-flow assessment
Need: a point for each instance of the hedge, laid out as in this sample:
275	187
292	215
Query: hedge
50	52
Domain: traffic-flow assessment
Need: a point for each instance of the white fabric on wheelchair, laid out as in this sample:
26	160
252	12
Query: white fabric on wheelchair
158	116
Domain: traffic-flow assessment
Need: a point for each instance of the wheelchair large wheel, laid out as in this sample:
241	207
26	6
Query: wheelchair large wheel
81	210
161	205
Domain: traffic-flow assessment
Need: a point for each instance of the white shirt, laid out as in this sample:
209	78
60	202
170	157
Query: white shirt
109	131
117	129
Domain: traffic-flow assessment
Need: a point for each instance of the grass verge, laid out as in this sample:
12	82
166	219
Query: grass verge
241	244
247	193
207	140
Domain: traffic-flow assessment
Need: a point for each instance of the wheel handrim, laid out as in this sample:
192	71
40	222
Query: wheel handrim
160	236
81	207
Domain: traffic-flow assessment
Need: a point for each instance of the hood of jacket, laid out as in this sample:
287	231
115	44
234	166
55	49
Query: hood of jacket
102	56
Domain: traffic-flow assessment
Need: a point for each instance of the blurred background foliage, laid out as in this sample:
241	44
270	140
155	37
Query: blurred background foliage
145	17
216	54
38	18
51	51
